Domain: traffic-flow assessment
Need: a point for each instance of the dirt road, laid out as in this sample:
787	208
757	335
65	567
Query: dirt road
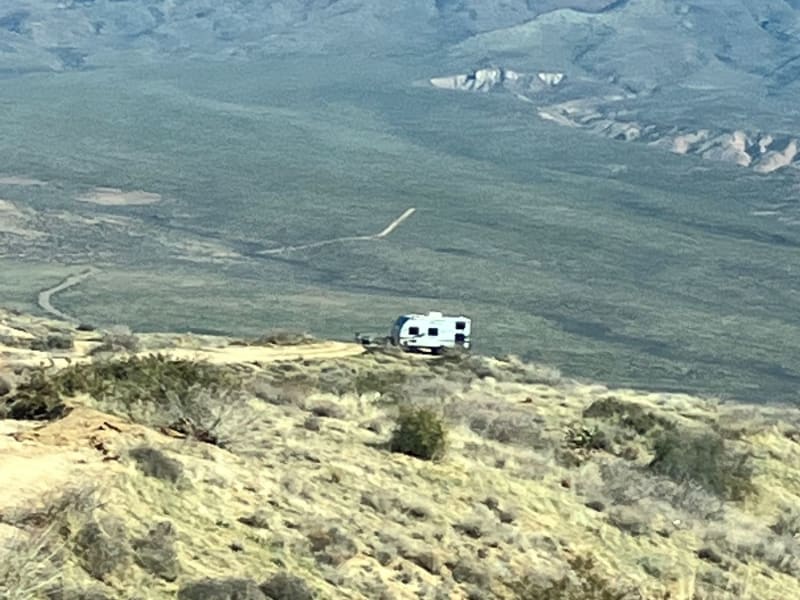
46	296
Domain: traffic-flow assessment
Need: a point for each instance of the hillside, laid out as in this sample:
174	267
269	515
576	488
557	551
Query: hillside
263	469
625	206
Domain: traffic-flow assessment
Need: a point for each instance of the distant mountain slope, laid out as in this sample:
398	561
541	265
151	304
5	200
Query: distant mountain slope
718	80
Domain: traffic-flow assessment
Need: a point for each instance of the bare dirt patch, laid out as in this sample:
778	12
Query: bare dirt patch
22	181
108	196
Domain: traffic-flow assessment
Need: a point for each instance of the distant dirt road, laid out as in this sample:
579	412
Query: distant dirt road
45	296
354	238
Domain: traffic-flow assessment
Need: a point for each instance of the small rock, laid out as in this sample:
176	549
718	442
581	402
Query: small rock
258	520
385	555
507	516
428	559
5	387
312	423
236	546
596	505
467	571
328	410
284	586
374	426
710	555
491	503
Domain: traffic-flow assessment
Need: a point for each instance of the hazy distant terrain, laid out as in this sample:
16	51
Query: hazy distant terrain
169	145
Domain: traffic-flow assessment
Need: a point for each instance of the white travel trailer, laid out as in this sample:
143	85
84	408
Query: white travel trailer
432	332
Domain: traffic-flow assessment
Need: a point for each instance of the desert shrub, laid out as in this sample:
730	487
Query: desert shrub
102	547
383	382
331	545
748	540
51	342
282	393
37	399
629	415
500	422
154	463
155	552
703	459
788	523
419	432
117	340
187	396
624	484
282	337
221	589
583	581
326	409
580	437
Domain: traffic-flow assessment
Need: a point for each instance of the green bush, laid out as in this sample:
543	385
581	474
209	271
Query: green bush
419	432
703	459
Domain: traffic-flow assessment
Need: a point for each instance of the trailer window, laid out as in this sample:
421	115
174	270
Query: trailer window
433	331
461	325
413	331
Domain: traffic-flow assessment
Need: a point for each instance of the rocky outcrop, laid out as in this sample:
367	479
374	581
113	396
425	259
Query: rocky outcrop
493	78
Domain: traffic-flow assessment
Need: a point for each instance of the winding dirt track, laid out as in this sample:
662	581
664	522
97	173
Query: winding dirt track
46	296
353	238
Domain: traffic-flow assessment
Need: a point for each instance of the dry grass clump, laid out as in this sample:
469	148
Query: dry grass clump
281	586
703	458
627	414
582	581
500	422
281	337
52	342
380	381
32	566
510	369
117	339
747	539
